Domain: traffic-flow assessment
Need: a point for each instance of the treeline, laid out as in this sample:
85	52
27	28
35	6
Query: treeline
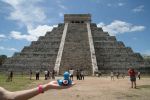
147	58
2	59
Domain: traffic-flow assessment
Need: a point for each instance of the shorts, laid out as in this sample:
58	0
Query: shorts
132	78
71	75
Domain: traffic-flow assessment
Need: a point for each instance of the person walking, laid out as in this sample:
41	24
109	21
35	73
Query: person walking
82	74
11	75
132	75
139	75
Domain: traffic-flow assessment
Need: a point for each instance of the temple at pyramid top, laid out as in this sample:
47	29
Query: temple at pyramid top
77	18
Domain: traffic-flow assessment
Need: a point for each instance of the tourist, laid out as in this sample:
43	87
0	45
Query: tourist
82	75
123	75
53	74
11	76
78	74
37	74
117	75
99	73
112	75
46	74
132	75
139	75
71	71
27	94
30	74
50	74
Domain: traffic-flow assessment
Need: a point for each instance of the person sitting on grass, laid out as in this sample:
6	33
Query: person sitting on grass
27	94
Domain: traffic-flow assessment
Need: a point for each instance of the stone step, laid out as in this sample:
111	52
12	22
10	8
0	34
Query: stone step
104	38
99	34
107	44
46	42
38	53
30	55
34	67
113	50
41	49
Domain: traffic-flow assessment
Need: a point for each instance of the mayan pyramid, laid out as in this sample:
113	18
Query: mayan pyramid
79	44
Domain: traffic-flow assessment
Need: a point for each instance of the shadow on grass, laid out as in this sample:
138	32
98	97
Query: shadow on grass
144	86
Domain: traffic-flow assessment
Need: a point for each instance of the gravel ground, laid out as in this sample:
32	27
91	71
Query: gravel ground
94	88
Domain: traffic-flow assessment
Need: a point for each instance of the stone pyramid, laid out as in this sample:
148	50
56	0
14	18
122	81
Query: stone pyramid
79	44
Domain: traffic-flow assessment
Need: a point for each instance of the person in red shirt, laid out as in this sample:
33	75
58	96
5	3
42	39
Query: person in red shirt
132	75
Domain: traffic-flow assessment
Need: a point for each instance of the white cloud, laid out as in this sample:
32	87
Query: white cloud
120	27
32	15
33	34
20	36
138	9
61	14
41	30
134	38
121	4
2	48
8	49
62	6
26	12
109	5
2	36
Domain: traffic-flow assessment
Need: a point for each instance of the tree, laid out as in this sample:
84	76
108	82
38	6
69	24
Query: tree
2	59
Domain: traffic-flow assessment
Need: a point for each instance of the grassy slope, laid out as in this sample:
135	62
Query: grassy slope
19	82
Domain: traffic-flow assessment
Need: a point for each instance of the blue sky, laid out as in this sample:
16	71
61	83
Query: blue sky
23	21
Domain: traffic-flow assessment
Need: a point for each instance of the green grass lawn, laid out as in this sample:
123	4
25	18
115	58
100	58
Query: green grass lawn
19	82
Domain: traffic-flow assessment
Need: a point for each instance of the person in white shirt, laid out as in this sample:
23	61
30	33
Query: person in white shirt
112	75
71	73
139	75
46	74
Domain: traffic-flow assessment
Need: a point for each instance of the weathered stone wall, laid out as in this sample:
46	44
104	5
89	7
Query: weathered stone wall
40	55
113	55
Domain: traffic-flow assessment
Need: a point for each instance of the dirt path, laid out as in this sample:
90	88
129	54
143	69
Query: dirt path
94	88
